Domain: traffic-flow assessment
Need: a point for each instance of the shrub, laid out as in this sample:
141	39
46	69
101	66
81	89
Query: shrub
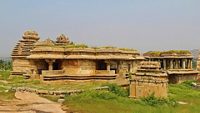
114	88
153	101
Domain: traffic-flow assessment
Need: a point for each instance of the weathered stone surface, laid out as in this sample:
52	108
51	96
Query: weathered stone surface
63	39
177	64
61	100
145	83
50	60
42	92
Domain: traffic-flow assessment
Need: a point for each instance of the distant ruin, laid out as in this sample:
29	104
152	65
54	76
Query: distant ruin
177	64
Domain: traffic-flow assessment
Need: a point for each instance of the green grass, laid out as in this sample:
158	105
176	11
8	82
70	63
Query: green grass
159	53
115	100
4	75
19	81
112	102
5	90
107	102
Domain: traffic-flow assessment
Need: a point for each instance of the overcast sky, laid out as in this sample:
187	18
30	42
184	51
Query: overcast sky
141	24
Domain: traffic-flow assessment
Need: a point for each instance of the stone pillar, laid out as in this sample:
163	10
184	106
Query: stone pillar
50	63
131	67
171	64
183	63
108	66
190	63
198	63
164	64
176	64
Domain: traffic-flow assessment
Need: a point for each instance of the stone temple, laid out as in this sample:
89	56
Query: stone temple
177	64
63	60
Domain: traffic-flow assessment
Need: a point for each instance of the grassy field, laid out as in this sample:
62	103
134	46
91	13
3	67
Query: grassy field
108	102
113	101
5	92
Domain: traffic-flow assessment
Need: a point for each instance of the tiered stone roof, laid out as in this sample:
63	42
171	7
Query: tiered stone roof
24	46
62	48
150	68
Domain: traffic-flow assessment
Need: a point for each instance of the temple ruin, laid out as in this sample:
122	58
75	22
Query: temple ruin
177	64
198	63
63	60
149	79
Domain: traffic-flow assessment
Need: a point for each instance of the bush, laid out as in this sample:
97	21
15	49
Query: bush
114	88
153	101
5	65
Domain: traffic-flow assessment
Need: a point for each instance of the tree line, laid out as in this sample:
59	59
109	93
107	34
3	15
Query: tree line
5	64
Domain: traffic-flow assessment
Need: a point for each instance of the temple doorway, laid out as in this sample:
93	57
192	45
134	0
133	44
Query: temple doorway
41	65
101	65
57	65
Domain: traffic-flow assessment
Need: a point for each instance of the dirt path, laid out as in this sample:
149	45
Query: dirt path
30	103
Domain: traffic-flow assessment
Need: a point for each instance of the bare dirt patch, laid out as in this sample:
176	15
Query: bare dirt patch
26	102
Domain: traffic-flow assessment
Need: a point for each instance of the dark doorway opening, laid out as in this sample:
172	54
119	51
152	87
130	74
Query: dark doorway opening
57	65
41	65
101	65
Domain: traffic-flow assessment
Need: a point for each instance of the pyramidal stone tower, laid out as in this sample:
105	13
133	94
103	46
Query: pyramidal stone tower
22	50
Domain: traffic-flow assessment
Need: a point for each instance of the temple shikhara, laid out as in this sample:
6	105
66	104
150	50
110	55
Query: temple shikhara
64	60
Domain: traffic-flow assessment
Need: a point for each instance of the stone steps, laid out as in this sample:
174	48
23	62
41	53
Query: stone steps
95	77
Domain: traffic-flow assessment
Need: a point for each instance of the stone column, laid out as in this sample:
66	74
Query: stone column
50	63
190	63
198	63
131	67
176	64
183	63
171	64
164	64
108	65
179	64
